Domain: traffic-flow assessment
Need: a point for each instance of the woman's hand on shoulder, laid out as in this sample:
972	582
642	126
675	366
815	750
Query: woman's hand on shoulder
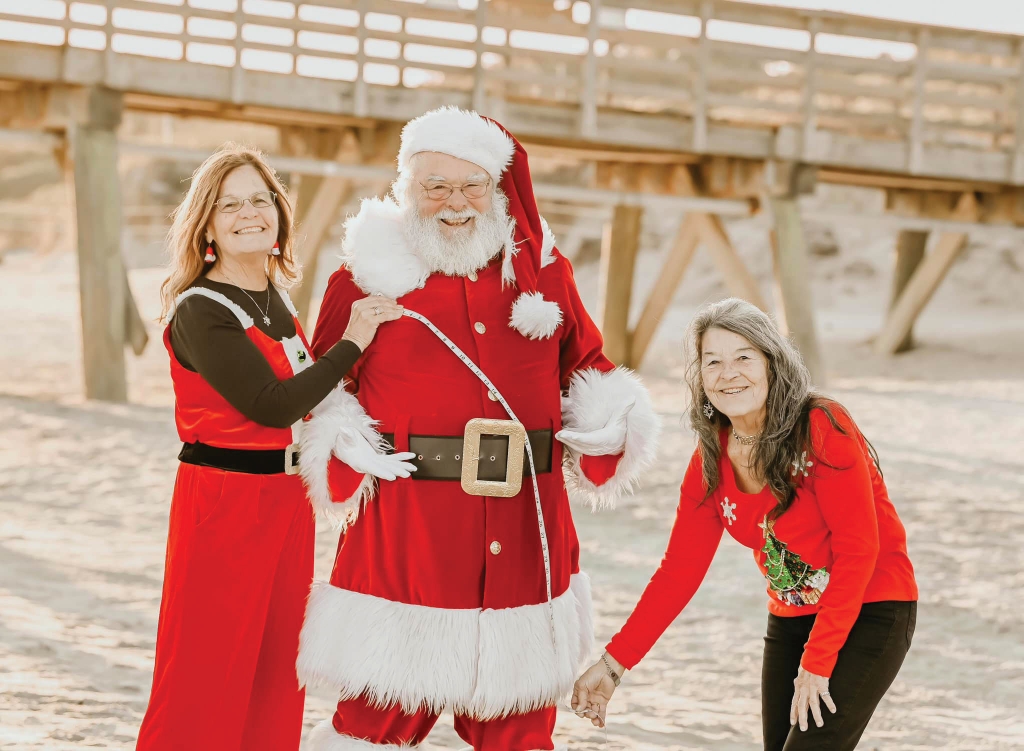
367	315
592	692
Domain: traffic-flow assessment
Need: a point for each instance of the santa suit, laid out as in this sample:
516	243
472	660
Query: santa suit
438	598
239	562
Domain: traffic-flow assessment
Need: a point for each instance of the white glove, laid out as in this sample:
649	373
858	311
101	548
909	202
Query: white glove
360	455
610	439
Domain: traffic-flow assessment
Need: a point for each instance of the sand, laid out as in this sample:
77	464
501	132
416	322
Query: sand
84	492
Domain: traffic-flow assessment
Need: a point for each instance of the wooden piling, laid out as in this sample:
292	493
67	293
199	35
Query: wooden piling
619	247
101	272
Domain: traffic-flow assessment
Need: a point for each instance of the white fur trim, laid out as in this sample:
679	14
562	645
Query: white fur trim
287	301
483	663
243	318
339	410
323	737
547	250
459	133
376	251
593	397
534	317
580	586
508	272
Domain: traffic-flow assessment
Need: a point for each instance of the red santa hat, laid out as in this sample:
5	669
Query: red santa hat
484	142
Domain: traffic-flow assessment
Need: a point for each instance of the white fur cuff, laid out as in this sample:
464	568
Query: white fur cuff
340	410
481	663
594	396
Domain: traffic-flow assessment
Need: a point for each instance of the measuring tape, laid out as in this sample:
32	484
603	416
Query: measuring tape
529	454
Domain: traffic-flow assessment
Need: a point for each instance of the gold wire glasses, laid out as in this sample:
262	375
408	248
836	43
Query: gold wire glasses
260	200
443	192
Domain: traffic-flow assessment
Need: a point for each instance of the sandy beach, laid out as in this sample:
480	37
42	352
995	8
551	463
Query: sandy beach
85	489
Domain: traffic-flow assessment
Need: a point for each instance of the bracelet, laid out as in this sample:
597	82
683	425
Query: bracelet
617	679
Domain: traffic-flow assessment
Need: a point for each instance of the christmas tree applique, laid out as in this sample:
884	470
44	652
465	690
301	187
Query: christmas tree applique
789	578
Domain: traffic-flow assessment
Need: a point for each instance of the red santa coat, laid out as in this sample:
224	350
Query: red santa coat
438	598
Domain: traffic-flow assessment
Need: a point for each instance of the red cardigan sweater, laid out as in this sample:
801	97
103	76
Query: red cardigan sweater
840	544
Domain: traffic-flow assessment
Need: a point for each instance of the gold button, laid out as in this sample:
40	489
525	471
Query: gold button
472	276
495	547
480	328
491	396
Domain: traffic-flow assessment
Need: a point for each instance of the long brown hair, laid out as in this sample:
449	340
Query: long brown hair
791	398
186	241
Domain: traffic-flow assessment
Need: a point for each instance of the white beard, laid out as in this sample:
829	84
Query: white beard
465	251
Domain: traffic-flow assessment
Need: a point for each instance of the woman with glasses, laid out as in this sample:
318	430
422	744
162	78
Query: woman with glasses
786	472
240	547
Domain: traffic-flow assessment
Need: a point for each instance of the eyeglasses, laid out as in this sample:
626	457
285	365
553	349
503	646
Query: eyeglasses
260	200
444	192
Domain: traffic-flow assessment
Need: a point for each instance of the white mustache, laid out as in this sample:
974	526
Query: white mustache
452	215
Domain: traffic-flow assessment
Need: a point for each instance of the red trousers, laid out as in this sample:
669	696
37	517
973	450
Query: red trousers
238	570
359	726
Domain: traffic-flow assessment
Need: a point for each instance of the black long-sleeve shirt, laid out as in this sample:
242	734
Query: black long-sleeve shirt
208	339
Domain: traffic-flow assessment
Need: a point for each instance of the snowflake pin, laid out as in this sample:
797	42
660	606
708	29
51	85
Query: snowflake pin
727	511
802	464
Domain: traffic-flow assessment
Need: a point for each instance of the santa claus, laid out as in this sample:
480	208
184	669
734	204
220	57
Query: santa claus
446	458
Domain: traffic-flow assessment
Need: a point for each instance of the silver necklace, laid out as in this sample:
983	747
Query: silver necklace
265	314
746	440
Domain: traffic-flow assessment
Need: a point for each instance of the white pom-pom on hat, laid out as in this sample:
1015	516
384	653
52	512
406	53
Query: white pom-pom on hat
459	133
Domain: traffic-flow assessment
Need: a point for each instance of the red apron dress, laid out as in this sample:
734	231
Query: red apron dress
238	570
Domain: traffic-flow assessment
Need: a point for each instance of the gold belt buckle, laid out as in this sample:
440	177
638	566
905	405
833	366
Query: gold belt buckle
516	433
291	459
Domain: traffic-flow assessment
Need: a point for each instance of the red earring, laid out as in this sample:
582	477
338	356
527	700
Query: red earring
276	250
210	256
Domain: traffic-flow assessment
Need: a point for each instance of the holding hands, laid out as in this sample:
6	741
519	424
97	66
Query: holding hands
594	689
367	315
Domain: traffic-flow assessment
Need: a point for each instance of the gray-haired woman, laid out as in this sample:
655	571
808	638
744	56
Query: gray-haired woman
787	473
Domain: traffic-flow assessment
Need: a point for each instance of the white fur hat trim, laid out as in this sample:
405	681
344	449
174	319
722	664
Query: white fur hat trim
458	133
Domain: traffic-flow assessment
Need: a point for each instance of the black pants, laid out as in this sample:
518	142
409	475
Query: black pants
867	665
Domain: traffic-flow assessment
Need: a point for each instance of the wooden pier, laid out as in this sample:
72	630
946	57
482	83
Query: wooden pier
707	108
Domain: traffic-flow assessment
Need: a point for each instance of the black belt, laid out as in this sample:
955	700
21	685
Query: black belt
249	461
440	457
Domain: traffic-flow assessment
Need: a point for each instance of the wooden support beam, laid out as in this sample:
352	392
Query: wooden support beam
925	280
101	273
697	228
320	199
910	247
796	307
679	256
619	247
316	202
738	279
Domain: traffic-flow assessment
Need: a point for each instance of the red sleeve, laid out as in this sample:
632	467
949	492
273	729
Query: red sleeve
335	310
842	487
331	322
581	348
691	547
581	344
